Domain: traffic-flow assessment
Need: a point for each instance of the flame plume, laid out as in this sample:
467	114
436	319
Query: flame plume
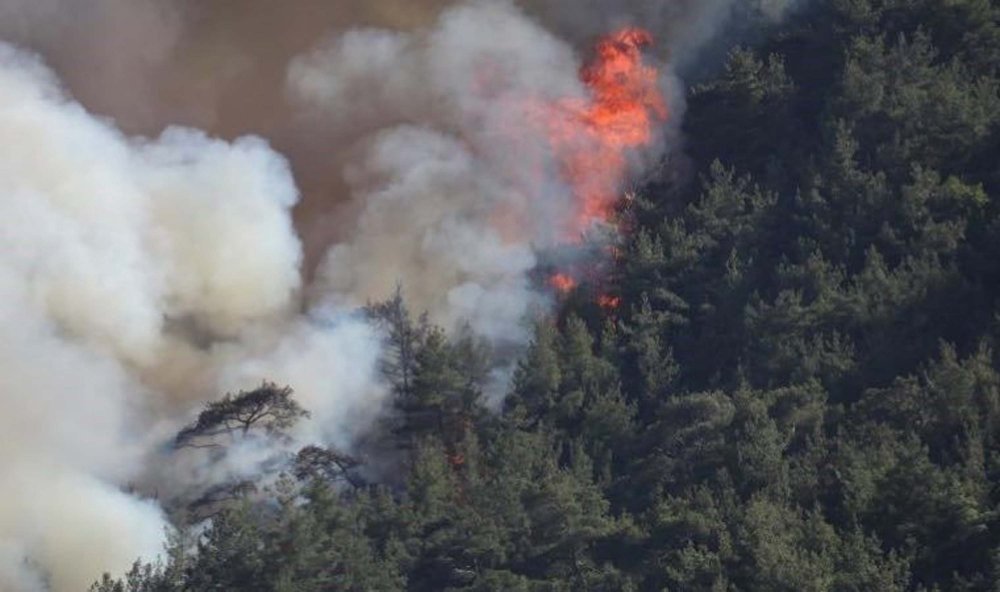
592	138
562	283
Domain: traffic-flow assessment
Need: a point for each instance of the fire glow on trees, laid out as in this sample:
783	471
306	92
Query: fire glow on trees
591	138
562	283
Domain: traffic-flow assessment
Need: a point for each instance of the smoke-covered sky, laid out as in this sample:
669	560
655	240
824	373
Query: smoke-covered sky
196	195
221	65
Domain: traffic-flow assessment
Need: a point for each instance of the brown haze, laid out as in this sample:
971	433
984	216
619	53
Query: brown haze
220	65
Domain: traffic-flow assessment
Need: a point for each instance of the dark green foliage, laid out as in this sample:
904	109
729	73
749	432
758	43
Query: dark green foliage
798	392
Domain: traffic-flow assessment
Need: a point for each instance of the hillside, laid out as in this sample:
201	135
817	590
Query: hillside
788	382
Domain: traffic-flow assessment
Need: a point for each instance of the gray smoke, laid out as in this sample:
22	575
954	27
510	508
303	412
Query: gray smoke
438	151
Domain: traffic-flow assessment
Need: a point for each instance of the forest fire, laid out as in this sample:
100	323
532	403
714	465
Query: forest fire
591	138
608	302
562	283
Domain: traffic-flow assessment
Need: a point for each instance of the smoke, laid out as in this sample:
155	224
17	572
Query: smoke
220	65
681	25
441	150
223	190
137	277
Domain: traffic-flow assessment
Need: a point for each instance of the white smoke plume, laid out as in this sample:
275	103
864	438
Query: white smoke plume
443	150
137	278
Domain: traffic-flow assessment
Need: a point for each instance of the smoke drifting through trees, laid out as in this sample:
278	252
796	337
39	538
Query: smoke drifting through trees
142	277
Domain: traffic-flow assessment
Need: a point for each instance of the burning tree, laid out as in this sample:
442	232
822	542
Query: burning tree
591	138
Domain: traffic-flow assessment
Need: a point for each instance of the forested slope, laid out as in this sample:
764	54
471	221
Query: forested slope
796	390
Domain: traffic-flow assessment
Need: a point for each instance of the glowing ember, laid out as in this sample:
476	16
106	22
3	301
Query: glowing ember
562	283
591	138
609	302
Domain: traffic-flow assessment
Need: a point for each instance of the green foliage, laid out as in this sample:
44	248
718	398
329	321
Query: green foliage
912	107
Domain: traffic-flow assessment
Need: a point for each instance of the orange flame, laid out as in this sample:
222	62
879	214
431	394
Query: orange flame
609	303
562	283
591	138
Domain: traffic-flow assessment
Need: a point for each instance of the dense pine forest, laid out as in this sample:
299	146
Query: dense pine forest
796	388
